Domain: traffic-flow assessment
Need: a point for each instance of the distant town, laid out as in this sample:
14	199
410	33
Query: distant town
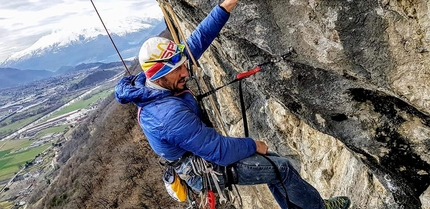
37	118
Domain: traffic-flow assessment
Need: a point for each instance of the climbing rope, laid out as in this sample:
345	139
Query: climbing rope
209	198
204	169
170	13
204	166
113	43
167	17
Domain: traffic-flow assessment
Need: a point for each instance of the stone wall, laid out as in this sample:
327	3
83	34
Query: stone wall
350	107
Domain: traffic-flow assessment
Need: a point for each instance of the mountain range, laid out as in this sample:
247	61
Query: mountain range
64	50
12	76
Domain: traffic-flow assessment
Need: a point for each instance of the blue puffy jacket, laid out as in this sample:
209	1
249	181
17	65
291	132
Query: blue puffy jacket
172	123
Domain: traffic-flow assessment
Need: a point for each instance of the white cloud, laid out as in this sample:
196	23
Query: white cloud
23	22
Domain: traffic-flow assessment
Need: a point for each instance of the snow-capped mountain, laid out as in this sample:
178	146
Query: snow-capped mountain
69	47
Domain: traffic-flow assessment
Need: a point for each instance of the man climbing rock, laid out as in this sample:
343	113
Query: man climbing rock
171	120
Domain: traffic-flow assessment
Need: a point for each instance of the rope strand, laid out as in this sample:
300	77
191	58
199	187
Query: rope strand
113	43
199	74
169	21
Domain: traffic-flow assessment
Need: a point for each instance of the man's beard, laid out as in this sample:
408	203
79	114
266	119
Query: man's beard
172	86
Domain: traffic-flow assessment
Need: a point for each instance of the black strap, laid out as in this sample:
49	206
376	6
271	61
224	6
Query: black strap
205	116
279	177
275	167
201	96
164	162
242	107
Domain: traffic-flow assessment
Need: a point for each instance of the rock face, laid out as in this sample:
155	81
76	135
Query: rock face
351	105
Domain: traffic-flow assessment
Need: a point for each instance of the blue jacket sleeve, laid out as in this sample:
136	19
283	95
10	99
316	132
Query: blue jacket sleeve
121	93
187	131
206	31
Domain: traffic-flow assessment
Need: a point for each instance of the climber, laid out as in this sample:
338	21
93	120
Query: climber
171	120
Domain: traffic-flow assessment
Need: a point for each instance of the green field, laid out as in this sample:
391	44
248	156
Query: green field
9	120
67	98
10	162
19	124
81	104
55	129
4	152
13	153
15	144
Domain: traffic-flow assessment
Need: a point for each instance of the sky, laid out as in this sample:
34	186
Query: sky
23	22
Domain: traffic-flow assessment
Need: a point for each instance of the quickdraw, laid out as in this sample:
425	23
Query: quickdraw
209	176
249	73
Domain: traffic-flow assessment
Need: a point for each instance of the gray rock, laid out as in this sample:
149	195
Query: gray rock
350	106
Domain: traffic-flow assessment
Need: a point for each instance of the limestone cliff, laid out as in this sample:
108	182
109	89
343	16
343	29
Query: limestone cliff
350	106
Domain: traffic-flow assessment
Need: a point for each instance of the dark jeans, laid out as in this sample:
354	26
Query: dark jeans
258	170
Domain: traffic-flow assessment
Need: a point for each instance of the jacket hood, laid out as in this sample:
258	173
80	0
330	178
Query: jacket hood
135	91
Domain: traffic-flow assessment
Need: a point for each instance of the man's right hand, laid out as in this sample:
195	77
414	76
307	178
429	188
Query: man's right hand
228	5
261	147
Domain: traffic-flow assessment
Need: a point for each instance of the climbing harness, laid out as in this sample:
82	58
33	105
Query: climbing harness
200	166
175	186
207	172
